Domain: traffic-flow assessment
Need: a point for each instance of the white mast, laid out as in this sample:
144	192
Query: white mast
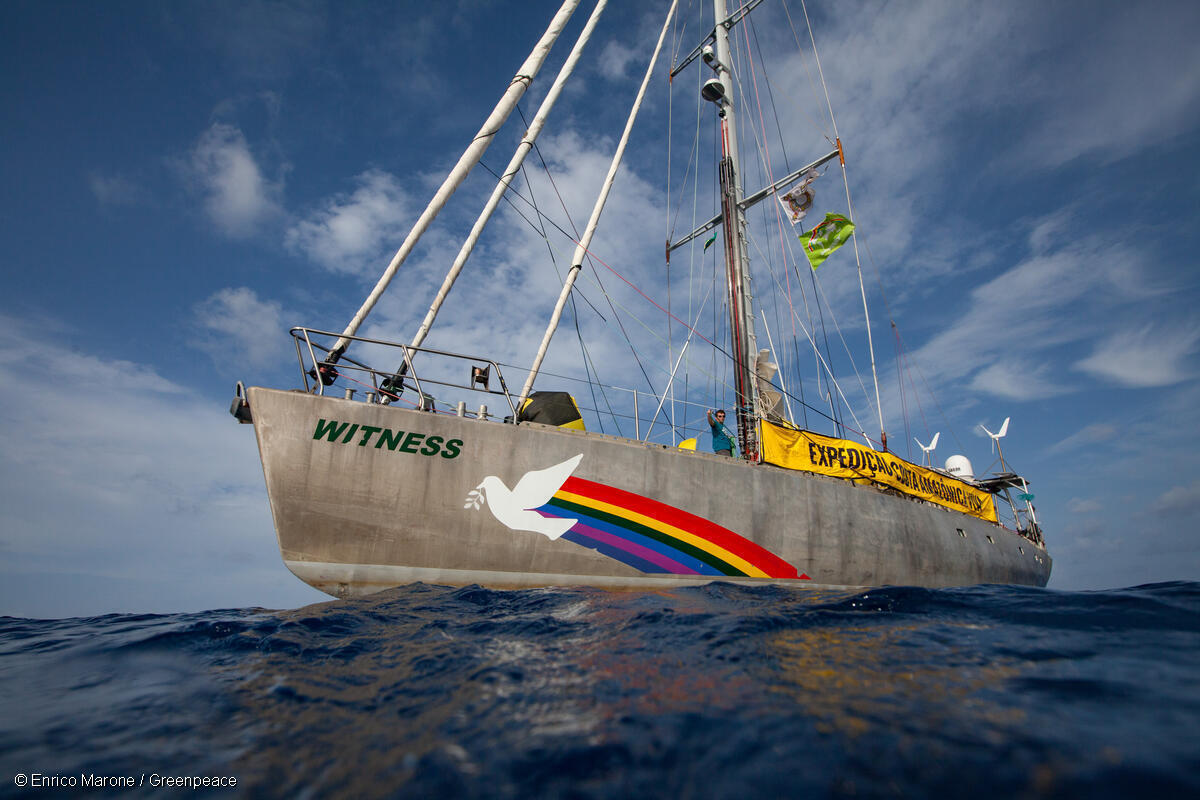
469	158
514	166
745	348
582	248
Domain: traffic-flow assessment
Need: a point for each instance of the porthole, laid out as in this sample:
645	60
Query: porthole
990	539
961	532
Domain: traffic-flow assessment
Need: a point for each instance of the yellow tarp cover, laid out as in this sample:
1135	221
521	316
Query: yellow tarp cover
812	452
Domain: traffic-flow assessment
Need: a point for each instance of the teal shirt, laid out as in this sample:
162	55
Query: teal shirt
721	438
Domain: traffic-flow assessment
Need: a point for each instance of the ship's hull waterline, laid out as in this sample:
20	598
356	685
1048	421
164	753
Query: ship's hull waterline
366	497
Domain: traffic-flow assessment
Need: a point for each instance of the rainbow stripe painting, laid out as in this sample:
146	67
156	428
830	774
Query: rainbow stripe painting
657	538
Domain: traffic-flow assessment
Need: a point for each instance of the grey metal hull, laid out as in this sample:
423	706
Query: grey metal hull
356	512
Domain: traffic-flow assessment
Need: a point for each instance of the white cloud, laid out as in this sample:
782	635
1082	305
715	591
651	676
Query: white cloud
112	190
1077	505
1148	357
1095	105
1051	298
240	328
1016	381
1184	500
1092	434
916	87
1050	76
351	233
238	197
615	59
127	492
73	369
1050	229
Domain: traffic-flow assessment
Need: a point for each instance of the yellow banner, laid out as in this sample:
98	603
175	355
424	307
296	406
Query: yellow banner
811	452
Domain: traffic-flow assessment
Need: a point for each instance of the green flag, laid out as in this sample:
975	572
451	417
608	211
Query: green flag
821	241
708	244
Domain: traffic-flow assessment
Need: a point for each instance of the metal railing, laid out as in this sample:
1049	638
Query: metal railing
314	347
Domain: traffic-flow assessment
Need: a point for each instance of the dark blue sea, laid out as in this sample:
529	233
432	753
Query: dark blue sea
718	691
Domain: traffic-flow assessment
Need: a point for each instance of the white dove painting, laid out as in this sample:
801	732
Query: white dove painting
512	507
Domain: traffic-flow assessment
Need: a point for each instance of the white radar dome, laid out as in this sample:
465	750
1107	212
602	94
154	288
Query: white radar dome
960	467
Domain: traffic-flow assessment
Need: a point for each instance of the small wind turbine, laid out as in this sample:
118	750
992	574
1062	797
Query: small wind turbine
996	437
930	448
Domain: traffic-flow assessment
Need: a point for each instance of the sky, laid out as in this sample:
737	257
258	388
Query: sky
186	181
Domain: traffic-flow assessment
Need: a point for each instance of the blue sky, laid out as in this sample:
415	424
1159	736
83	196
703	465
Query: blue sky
188	180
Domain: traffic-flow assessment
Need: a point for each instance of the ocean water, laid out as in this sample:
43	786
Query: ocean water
718	691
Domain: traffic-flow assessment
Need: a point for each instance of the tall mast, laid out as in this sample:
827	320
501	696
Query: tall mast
741	314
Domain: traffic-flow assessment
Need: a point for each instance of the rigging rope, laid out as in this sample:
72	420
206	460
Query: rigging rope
635	287
903	396
887	307
588	365
612	303
850	209
832	379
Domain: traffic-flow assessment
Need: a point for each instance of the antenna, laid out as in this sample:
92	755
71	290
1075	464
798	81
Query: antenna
996	437
929	449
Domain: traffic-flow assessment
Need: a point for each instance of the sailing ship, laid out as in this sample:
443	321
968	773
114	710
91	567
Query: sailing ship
406	482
